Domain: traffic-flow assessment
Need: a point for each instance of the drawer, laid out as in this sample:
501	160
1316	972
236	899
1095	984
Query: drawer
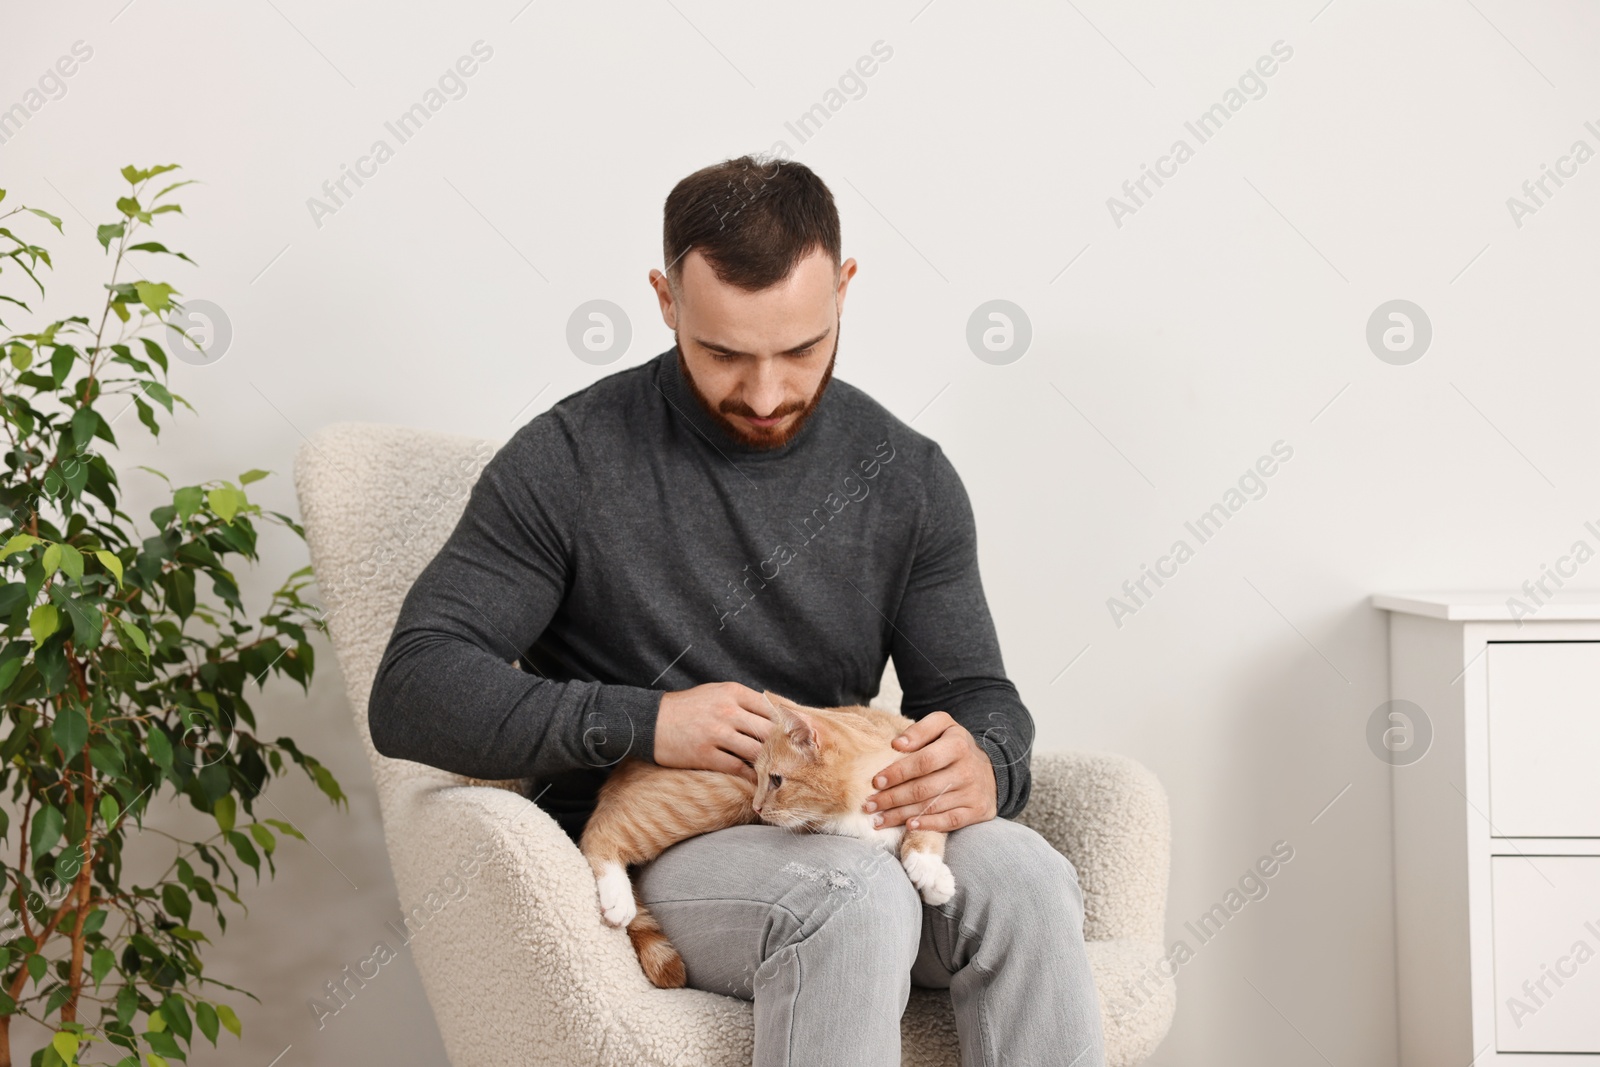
1546	953
1544	738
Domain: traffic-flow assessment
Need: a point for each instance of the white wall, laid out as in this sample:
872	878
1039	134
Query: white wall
1223	316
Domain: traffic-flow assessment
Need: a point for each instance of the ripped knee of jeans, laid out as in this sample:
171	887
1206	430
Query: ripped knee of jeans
831	877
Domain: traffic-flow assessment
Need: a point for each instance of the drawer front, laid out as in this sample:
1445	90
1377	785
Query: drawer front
1544	738
1546	953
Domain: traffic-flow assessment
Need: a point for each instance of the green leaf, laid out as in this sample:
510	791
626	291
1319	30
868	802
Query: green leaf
263	837
154	1060
110	562
179	587
51	560
21	357
71	560
43	620
85	421
128	205
188	500
19	543
205	1017
174	185
133	175
224	809
156	353
107	758
43	214
245	850
286	828
66	1045
225	501
163	1042
159	747
155	295
325	781
178	1016
61	363
147	416
157	246
157	392
252	476
110	810
47	827
229	1019
100	965
133	634
70	730
176	901
107	232
88	623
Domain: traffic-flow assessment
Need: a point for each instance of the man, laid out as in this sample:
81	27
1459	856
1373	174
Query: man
657	549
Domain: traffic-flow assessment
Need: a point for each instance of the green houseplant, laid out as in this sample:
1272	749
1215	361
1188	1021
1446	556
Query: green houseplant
110	698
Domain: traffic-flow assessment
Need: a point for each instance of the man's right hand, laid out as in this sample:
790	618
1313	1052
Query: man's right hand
714	727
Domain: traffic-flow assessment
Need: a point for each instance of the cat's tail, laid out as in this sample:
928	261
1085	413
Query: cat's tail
661	962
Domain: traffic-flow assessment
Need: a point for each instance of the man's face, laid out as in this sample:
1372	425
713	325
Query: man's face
758	362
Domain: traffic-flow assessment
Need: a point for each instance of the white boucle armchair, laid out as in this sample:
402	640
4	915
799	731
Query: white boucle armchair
517	964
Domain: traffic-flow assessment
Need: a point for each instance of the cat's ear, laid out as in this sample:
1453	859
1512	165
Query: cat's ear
778	703
794	721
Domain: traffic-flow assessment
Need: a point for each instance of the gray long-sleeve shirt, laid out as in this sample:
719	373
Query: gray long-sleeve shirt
623	544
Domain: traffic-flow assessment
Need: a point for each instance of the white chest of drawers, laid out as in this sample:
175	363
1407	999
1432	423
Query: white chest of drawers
1496	828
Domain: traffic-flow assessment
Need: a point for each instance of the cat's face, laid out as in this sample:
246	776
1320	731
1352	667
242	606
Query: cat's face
802	772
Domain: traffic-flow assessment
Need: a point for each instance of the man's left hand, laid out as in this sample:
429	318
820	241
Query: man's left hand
946	782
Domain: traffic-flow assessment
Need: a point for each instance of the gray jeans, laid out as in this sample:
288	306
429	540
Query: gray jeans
827	935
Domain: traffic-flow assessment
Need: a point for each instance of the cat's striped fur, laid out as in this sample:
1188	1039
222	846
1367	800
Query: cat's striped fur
823	760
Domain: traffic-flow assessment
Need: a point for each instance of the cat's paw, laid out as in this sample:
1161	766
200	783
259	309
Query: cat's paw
616	895
932	877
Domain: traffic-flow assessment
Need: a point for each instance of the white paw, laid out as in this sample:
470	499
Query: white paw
616	895
931	876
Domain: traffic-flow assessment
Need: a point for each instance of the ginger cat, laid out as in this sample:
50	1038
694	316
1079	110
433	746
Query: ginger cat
813	773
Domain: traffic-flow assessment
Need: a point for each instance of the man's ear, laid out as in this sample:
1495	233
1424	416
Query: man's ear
662	284
794	720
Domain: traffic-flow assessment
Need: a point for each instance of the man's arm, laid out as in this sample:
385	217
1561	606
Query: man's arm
446	692
945	650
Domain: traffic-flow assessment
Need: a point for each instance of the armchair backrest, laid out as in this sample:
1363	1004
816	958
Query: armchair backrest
377	502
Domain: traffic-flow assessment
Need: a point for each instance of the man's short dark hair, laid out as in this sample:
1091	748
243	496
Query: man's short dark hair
752	219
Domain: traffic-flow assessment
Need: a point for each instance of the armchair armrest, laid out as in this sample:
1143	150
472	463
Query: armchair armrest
501	913
1107	814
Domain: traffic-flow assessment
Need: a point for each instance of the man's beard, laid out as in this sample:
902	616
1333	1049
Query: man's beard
757	437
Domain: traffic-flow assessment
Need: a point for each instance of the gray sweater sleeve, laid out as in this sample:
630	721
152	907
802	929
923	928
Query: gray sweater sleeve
447	692
946	653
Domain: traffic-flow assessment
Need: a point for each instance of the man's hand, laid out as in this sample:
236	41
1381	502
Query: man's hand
715	727
945	783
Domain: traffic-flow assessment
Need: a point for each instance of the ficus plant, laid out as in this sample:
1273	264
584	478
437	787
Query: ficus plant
122	678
